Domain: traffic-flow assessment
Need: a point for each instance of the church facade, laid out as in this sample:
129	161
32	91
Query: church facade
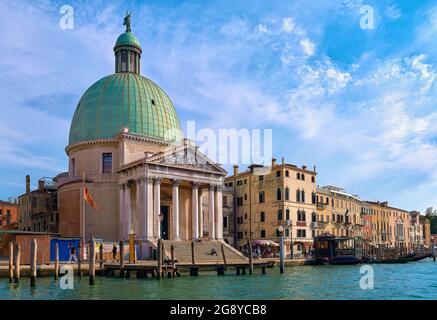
126	147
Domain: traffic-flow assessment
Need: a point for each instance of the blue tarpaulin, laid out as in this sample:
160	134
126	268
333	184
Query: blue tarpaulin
64	250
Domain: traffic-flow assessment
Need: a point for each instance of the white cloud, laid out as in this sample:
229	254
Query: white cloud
308	46
288	25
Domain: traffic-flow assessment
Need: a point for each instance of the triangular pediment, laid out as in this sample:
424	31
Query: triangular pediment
186	156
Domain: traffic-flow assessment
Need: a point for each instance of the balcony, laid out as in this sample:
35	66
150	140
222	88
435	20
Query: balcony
318	224
301	223
321	205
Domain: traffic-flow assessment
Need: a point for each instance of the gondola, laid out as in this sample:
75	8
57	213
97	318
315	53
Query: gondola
421	257
403	259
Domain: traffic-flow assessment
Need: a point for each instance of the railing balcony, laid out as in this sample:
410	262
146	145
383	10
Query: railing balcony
318	224
321	205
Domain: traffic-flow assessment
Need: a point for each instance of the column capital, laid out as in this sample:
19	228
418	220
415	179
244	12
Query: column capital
122	186
146	179
157	180
195	185
211	187
139	180
219	187
176	182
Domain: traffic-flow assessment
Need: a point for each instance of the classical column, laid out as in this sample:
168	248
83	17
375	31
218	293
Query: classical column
218	213
128	215
200	213
139	218
175	205
157	208
211	227
148	207
122	210
195	210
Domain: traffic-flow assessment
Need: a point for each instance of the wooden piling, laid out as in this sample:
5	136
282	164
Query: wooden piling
33	256
11	262
193	262
101	256
221	270
79	260
172	260
159	258
92	262
121	259
249	246
56	261
238	271
263	270
17	263
223	254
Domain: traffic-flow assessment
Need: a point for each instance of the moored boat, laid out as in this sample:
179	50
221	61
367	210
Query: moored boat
421	257
332	250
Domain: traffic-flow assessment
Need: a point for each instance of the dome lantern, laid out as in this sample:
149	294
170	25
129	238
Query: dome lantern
127	50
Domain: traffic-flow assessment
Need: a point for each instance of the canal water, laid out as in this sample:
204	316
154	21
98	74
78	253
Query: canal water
414	280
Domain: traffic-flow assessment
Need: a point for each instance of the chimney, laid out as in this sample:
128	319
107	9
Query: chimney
304	167
273	162
41	185
27	184
283	161
235	170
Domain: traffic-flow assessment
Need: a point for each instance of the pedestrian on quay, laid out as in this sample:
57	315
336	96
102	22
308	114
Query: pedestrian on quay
114	252
73	255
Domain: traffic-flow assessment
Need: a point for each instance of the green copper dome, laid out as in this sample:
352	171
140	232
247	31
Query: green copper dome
127	39
125	100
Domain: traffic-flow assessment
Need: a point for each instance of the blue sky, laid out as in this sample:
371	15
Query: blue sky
359	104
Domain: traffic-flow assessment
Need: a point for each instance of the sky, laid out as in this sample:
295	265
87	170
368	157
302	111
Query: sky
357	102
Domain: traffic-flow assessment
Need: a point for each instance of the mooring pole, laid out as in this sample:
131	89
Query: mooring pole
92	262
159	258
56	261
249	246
17	263
121	259
33	261
79	260
11	262
101	256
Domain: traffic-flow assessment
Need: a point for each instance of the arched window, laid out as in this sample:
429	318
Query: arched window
302	195
287	173
278	194
280	214
287	214
287	193
297	195
313	198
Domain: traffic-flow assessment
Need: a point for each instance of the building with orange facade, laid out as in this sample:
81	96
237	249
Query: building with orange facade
8	215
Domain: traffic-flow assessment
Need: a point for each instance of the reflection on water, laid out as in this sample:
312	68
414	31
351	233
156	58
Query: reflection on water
416	280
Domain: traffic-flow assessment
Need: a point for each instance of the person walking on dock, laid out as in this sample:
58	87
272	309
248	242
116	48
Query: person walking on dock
114	253
73	255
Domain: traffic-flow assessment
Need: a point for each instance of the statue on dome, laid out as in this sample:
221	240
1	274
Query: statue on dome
127	21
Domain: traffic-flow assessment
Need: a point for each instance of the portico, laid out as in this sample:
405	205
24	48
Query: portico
161	199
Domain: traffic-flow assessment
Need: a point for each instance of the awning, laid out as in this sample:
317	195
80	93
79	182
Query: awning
265	243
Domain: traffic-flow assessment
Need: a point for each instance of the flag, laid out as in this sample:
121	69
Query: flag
88	198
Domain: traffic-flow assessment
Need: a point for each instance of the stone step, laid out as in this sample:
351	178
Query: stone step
202	252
